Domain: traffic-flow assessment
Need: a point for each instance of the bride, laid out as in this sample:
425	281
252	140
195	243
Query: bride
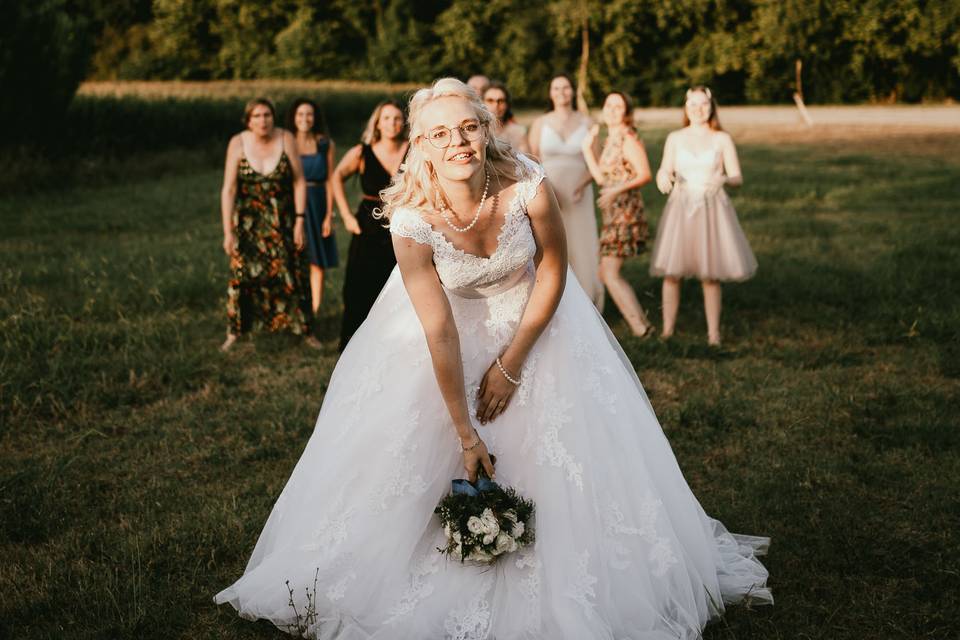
523	367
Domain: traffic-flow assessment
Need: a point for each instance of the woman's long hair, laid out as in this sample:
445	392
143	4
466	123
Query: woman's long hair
414	186
319	122
714	121
371	133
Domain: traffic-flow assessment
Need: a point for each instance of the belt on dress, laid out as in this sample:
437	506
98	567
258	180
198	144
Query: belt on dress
311	183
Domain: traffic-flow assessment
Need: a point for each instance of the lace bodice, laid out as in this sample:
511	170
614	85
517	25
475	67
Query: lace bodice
472	276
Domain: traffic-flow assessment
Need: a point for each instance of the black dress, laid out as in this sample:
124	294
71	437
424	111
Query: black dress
370	258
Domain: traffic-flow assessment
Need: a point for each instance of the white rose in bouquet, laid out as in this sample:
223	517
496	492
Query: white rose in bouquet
491	528
517	530
510	515
475	525
505	544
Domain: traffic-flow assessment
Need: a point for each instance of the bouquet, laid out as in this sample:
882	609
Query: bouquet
483	521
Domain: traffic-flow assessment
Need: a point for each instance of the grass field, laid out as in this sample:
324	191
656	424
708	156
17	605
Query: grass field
137	463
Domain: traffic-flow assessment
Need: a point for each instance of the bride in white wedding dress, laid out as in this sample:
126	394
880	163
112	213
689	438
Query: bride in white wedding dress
483	293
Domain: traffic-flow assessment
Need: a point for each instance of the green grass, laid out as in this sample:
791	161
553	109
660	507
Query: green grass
137	463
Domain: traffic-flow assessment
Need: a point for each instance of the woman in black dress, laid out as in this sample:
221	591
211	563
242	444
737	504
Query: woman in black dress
370	258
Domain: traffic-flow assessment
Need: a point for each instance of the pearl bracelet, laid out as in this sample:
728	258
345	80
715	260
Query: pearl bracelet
510	379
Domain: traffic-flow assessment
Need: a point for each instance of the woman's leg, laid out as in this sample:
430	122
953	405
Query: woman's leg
671	302
623	295
316	287
711	306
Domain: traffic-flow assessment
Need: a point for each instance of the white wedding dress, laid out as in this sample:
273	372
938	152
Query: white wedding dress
623	549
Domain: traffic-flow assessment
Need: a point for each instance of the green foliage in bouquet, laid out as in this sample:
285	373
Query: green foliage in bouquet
483	521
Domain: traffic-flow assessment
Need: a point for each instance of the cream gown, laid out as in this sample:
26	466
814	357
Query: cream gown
563	161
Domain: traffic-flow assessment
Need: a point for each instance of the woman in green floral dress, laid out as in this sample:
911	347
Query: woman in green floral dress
262	202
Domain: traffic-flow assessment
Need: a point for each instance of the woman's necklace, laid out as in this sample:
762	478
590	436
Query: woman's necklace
449	221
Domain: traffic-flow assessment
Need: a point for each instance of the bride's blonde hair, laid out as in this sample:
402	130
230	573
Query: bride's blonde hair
414	186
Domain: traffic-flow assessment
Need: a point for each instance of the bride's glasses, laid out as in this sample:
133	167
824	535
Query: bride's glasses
441	137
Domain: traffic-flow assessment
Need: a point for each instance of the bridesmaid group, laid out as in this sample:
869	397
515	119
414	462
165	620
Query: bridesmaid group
280	185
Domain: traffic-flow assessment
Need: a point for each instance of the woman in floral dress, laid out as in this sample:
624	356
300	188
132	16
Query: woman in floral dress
622	169
261	204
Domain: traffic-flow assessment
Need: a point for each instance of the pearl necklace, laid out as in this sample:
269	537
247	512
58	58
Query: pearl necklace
446	216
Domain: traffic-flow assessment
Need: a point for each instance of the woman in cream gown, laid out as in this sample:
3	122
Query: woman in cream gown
482	295
556	139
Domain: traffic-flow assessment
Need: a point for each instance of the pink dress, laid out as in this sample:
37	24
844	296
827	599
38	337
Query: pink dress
699	235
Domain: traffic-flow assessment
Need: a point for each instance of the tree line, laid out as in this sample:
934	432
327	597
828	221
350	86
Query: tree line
747	50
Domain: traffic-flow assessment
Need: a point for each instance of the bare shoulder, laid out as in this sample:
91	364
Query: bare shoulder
235	146
724	138
633	139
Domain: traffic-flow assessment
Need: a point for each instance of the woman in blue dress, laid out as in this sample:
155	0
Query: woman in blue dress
317	153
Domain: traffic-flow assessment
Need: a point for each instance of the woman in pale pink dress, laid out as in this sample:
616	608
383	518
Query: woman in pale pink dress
699	235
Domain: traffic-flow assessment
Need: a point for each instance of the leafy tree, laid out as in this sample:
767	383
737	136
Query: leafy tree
185	43
45	47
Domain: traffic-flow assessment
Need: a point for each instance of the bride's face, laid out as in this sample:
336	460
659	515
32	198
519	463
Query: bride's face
453	139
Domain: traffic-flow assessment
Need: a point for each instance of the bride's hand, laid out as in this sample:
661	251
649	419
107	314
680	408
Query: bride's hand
494	396
475	455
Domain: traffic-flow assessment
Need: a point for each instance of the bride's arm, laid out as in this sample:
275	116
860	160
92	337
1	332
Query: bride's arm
433	309
551	278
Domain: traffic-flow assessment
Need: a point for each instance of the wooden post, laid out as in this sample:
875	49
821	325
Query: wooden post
798	95
584	57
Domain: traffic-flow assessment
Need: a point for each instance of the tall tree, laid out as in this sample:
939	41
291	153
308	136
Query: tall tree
45	47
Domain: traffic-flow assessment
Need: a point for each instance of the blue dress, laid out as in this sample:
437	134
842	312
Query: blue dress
323	251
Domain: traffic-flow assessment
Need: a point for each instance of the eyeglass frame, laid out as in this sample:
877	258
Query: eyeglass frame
459	127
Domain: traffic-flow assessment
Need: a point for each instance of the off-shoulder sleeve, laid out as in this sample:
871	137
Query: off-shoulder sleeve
407	223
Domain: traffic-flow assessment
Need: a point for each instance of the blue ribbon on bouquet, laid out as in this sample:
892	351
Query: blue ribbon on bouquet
467	488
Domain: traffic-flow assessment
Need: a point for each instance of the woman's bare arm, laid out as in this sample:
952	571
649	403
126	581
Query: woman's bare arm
731	162
589	149
331	158
299	188
665	174
349	165
551	278
636	154
228	193
433	309
533	137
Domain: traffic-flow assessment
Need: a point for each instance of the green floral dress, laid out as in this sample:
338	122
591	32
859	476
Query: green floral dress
268	288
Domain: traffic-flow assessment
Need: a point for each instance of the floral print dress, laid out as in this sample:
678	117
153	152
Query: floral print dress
268	279
625	231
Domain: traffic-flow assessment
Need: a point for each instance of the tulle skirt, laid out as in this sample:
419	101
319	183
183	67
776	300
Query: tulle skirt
699	236
623	549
